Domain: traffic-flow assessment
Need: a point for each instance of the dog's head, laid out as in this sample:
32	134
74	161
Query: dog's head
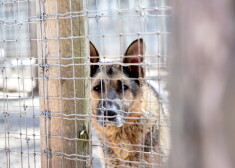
116	89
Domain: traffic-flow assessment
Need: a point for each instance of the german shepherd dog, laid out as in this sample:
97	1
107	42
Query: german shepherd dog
126	110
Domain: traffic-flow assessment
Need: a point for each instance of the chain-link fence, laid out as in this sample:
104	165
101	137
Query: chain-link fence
83	83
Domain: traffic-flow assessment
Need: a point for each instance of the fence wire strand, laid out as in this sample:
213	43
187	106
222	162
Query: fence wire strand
25	60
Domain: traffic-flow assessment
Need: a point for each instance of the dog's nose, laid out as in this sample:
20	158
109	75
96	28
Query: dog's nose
110	115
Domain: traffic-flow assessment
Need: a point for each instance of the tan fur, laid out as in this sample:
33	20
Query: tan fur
142	141
125	142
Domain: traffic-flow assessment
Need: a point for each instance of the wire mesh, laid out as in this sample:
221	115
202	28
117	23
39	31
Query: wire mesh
35	54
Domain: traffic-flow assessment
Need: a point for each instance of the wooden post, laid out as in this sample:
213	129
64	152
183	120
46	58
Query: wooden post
203	84
61	126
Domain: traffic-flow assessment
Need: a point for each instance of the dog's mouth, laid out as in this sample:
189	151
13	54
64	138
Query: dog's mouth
111	116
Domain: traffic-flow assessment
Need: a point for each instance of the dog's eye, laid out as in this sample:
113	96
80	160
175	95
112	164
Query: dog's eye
123	88
97	88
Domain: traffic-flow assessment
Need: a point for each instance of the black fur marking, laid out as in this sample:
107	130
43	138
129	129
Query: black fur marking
134	88
151	140
131	74
119	83
110	71
99	87
120	87
93	70
109	150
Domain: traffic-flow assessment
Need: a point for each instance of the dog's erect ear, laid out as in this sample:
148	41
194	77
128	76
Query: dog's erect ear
134	55
94	58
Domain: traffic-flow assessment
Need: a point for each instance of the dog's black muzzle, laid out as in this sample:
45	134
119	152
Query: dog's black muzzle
110	112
